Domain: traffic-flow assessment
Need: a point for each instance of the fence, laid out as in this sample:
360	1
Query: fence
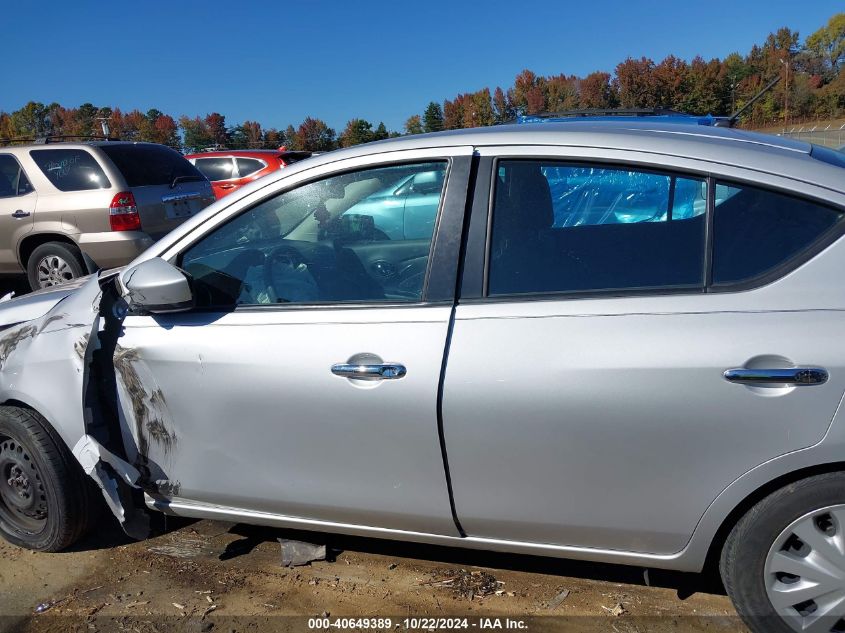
829	135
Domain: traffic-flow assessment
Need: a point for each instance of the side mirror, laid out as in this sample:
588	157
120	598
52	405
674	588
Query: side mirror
157	286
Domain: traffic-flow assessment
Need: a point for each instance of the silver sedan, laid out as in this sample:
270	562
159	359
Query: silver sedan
616	342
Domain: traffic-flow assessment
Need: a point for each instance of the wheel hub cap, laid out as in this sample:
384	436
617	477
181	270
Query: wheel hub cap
805	572
52	271
23	502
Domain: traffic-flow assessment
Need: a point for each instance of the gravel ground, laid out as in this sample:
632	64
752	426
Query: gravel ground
211	576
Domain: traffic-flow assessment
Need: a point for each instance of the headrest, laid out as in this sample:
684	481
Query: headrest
524	200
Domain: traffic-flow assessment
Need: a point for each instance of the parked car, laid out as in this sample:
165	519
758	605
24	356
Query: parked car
617	342
107	201
230	169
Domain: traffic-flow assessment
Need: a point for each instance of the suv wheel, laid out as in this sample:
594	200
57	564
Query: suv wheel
783	564
54	263
46	501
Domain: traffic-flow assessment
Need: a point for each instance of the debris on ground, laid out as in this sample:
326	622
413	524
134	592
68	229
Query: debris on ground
392	566
555	602
618	610
298	553
466	584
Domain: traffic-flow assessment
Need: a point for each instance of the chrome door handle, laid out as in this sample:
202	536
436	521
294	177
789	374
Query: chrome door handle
20	214
801	376
385	371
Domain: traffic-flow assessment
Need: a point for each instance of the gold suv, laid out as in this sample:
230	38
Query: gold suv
68	208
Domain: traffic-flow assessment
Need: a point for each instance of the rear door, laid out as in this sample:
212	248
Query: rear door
17	209
166	187
586	398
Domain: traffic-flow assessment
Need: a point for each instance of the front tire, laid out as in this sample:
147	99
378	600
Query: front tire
783	564
54	263
46	501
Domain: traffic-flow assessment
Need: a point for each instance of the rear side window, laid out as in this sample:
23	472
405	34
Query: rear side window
561	227
13	182
143	165
216	168
755	230
248	166
70	169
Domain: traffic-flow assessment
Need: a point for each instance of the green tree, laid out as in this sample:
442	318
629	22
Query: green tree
195	134
433	117
380	132
828	44
357	131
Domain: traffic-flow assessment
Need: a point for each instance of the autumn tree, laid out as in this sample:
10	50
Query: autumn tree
414	124
597	91
315	136
636	83
502	109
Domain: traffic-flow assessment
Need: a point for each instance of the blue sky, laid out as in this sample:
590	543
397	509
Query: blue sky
278	62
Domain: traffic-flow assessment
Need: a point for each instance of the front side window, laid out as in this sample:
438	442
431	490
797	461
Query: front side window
559	227
216	168
13	181
755	230
70	169
340	239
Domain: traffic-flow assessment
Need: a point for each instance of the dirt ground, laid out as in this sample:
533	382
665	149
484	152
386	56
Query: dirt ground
210	576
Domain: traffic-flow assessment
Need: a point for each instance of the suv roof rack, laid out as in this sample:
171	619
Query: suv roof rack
608	114
55	138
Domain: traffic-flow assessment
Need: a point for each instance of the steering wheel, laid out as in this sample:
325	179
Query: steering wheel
284	254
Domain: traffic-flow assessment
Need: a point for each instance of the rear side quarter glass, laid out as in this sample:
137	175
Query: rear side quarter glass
145	165
756	230
70	169
248	166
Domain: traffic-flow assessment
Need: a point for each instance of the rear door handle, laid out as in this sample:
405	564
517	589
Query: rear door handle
800	376
20	214
384	371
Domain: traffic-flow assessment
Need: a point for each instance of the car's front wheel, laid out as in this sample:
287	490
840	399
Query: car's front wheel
46	501
783	564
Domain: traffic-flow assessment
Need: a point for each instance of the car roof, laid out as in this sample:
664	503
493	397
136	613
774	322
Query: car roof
727	146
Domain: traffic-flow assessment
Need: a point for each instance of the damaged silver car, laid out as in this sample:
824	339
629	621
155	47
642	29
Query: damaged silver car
617	342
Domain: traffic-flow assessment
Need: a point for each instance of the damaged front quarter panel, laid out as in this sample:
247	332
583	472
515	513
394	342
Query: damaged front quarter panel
67	365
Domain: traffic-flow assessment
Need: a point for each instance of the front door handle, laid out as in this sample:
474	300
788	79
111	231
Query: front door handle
20	214
799	376
384	371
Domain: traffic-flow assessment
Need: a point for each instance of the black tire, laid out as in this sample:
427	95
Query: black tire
743	557
68	253
44	474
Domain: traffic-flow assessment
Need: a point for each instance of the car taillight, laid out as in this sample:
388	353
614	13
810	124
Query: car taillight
123	213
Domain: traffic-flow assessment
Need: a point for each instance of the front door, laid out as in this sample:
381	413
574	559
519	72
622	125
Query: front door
305	383
17	211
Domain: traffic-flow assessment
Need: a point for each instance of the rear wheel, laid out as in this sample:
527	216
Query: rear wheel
46	501
54	263
783	563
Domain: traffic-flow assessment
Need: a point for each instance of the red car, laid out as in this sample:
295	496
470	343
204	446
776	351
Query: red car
229	169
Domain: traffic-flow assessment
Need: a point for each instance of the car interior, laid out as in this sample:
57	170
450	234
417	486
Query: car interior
303	247
594	233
